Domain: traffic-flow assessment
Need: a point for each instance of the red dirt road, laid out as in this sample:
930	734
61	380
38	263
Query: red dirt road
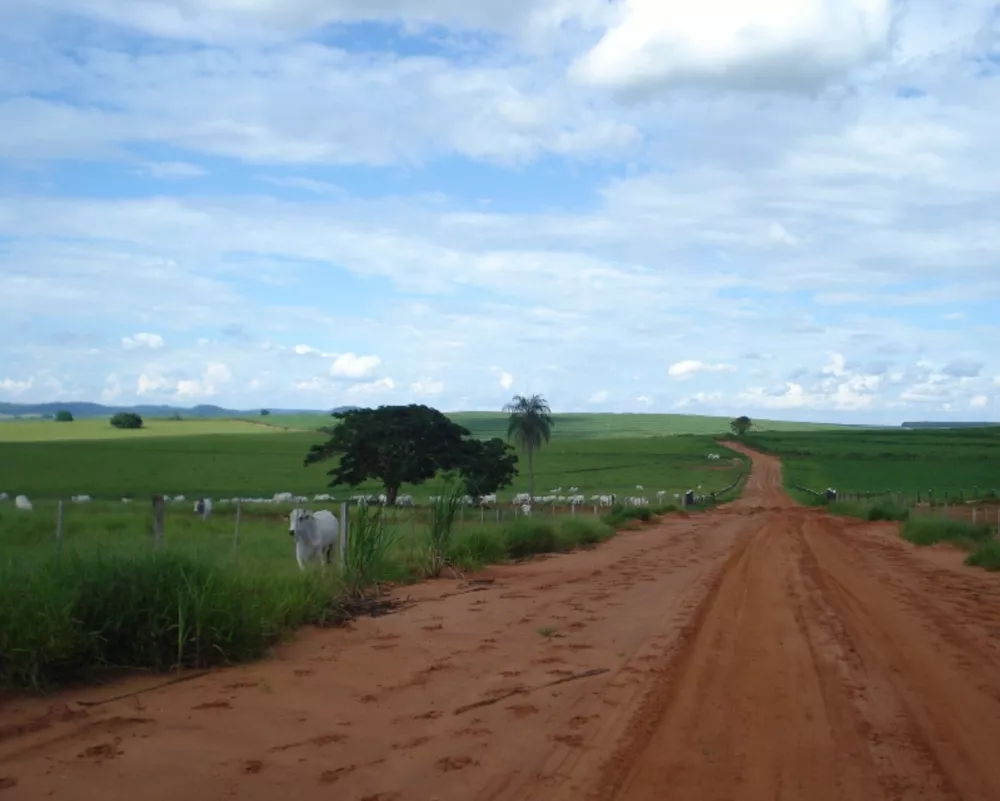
760	651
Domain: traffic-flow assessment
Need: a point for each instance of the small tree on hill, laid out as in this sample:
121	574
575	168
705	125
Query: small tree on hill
264	412
530	426
741	425
64	416
393	444
126	420
488	466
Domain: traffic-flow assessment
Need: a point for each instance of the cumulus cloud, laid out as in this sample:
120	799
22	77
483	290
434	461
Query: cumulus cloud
347	365
691	367
645	400
216	376
768	44
113	389
979	401
599	397
963	368
506	379
427	386
15	387
368	388
143	340
150	383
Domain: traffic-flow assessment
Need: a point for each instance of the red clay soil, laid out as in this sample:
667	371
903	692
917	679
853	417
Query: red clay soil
759	651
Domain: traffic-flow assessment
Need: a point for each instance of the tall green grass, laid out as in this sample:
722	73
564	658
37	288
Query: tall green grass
369	542
72	620
444	510
986	556
932	530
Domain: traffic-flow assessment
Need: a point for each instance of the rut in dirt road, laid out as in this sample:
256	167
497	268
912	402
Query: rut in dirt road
829	662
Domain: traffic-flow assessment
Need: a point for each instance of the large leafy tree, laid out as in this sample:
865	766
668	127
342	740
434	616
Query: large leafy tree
530	426
393	444
488	466
741	425
126	420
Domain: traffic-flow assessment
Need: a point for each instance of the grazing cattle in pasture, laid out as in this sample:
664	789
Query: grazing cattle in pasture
203	506
4	496
315	534
81	499
22	503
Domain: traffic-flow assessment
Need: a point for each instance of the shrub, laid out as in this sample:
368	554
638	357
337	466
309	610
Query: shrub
932	530
478	548
443	512
576	531
986	556
888	510
69	622
619	515
64	416
525	537
368	542
126	420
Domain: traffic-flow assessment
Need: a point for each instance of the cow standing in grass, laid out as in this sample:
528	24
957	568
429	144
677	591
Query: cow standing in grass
315	534
203	507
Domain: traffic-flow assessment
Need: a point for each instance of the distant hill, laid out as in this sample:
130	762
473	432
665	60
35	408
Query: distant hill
929	424
83	410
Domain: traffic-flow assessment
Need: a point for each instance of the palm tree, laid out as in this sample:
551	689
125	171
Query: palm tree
530	425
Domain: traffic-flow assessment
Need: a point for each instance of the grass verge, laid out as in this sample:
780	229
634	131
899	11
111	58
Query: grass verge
873	512
99	611
932	530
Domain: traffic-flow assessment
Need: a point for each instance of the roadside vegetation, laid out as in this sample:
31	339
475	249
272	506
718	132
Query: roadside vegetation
99	599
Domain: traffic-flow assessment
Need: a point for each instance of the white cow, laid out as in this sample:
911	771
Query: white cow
315	534
81	499
203	506
22	503
4	496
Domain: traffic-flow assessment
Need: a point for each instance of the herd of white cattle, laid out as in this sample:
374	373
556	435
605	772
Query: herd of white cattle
522	501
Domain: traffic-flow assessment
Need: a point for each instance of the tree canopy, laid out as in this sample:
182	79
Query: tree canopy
530	426
741	425
64	416
399	445
126	420
488	466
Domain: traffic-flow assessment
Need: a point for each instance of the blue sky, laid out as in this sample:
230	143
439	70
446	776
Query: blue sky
784	209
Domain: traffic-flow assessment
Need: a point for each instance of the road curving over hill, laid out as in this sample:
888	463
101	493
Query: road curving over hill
759	651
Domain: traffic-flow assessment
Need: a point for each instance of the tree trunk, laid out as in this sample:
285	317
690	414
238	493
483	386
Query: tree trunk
390	495
531	473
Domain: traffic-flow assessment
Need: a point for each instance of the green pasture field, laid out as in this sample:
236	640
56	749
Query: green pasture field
227	466
38	430
581	426
962	462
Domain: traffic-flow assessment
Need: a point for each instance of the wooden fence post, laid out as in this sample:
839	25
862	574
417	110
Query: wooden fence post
343	536
236	534
59	530
158	507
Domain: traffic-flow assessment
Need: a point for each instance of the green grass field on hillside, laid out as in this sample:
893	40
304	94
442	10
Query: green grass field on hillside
92	428
963	462
581	426
220	466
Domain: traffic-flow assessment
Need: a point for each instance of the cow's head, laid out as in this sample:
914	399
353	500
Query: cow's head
297	516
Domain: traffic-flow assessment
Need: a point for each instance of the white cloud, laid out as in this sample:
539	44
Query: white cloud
172	170
766	44
368	388
427	386
979	401
691	367
645	400
113	389
143	340
14	387
347	365
506	380
215	377
599	397
150	383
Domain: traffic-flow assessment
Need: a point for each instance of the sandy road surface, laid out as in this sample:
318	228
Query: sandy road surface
761	651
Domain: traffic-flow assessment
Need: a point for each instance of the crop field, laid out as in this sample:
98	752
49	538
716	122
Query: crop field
100	429
229	466
583	426
965	463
